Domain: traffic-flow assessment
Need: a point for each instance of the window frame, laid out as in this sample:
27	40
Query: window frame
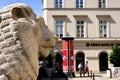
59	32
80	4
80	29
103	33
58	3
102	3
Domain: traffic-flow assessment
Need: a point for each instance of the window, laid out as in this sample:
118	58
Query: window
58	3
103	28
102	3
104	25
80	28
59	28
79	3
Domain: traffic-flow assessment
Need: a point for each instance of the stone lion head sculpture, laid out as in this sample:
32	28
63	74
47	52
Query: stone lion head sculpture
23	38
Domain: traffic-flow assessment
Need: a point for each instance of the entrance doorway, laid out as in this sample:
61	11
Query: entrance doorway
80	57
103	61
58	60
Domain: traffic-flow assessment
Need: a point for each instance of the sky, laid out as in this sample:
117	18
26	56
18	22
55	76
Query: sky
36	5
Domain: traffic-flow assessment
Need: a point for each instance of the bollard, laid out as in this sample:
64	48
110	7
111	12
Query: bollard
91	73
110	73
93	76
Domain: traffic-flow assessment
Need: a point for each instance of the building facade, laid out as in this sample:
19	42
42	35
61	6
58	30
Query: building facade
95	25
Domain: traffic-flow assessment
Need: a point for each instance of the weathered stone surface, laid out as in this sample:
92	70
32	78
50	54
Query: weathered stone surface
23	38
3	77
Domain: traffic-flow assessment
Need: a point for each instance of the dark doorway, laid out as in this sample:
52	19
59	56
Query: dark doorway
58	71
58	60
103	61
80	57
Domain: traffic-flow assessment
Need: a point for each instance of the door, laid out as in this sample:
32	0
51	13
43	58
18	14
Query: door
103	61
80	57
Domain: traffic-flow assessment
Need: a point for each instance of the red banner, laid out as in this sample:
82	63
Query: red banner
64	44
71	61
71	46
65	61
65	55
68	58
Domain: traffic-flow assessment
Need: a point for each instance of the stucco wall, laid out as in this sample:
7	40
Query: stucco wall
91	21
87	3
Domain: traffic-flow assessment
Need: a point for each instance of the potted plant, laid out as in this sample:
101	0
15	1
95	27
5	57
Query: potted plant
115	56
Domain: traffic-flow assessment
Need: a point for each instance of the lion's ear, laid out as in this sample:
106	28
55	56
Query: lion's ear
18	13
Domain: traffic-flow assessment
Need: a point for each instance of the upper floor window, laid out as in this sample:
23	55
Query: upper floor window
59	27
103	28
80	28
58	3
102	3
79	3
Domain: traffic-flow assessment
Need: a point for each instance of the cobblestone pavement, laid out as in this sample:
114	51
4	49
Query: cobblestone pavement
101	76
94	79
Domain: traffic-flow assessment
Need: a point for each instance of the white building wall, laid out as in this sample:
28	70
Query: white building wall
69	4
90	13
91	3
113	3
92	21
87	3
